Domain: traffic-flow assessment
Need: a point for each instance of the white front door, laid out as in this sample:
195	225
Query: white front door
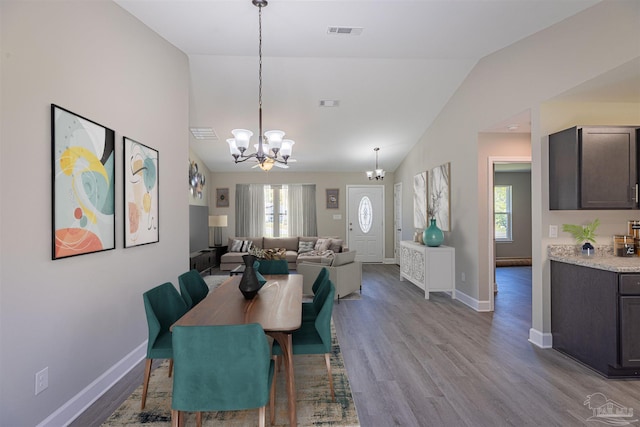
365	222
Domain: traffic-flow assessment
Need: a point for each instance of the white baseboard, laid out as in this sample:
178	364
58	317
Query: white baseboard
472	302
541	339
80	402
389	261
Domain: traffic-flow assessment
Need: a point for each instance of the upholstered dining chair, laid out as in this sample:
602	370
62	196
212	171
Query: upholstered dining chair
273	266
221	368
163	305
314	336
192	287
320	287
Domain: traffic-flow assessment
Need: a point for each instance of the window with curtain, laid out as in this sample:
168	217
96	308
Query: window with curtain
502	212
276	210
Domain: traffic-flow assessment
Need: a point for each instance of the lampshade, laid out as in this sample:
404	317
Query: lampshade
217	221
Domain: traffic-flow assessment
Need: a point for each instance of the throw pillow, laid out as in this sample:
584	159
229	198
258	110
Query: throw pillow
275	253
305	247
335	245
322	245
240	246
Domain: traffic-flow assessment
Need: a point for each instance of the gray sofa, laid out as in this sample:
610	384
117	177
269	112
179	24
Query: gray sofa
294	247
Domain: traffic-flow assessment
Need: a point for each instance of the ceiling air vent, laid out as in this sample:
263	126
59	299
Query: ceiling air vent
204	133
345	31
329	103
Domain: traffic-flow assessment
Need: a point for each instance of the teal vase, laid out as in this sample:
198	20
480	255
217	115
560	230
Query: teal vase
432	235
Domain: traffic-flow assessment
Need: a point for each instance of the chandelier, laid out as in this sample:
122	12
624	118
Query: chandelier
271	149
378	173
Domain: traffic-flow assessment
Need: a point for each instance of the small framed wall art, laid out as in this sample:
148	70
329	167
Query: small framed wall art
83	185
332	198
140	194
222	197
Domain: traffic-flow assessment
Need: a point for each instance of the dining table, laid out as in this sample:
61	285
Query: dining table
277	308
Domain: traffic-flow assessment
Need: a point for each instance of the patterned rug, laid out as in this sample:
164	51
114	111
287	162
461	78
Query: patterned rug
314	404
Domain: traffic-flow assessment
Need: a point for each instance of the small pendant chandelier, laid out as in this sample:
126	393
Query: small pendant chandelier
271	149
378	173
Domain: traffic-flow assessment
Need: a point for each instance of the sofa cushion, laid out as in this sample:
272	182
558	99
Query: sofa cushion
343	258
305	246
289	243
322	244
336	245
255	241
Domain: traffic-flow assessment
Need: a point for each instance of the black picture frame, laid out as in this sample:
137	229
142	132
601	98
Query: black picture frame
82	185
222	197
333	198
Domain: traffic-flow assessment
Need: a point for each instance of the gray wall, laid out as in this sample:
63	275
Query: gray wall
520	246
81	316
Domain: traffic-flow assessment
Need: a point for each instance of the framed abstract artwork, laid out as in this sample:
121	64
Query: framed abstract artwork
222	197
439	196
141	180
420	200
83	197
332	198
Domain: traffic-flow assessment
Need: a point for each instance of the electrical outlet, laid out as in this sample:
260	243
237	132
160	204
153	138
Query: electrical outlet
463	277
42	380
553	231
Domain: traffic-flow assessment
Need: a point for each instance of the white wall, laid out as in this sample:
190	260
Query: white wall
79	316
519	77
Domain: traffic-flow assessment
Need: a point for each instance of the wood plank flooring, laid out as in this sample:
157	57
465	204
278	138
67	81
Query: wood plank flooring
413	362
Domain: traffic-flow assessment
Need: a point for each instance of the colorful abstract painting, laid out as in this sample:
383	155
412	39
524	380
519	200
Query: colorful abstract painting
83	159
140	194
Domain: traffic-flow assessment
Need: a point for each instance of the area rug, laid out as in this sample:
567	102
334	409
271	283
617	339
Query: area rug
314	404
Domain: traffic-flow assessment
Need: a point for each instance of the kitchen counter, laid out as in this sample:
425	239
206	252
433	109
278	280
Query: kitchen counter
602	260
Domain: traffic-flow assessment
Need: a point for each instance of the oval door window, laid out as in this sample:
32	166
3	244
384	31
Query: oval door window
365	216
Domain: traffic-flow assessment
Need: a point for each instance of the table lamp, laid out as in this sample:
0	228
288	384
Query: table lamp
217	222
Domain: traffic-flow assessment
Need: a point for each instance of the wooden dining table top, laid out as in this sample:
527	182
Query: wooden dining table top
277	307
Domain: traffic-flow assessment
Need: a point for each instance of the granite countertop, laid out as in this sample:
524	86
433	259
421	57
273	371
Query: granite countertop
602	260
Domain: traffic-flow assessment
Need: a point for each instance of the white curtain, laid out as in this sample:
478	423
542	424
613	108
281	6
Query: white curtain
301	210
302	218
249	210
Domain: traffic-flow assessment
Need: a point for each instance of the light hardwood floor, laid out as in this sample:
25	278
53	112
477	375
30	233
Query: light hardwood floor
413	362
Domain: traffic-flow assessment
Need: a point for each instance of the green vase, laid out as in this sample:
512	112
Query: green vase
432	235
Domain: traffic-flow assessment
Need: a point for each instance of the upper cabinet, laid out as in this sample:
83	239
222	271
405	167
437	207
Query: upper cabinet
593	168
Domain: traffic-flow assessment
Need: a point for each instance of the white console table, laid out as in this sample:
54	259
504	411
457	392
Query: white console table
432	269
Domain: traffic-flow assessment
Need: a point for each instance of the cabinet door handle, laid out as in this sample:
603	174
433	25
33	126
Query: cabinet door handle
636	195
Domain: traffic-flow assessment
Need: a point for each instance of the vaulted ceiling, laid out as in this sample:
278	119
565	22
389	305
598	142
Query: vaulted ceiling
390	81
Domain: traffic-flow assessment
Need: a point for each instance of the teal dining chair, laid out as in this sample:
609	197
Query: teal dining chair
192	287
314	336
273	266
320	287
221	368
163	305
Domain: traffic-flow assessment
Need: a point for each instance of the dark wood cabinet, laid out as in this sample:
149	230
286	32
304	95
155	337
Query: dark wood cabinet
595	319
593	168
201	261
